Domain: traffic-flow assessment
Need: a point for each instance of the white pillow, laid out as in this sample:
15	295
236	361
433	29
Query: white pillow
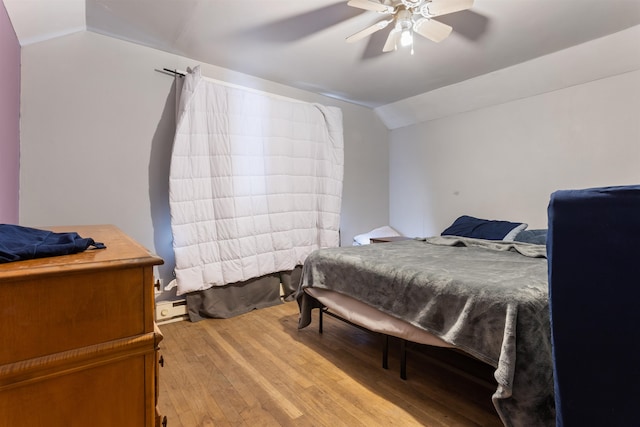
384	231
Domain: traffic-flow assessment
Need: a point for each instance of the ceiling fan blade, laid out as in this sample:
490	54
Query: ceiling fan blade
369	30
392	40
433	30
370	5
444	7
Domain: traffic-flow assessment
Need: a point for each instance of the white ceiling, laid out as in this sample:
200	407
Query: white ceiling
300	43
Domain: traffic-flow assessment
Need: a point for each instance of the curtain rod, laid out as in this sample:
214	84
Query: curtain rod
273	95
174	72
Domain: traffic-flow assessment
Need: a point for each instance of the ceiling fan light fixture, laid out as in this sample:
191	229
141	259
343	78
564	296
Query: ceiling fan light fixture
404	19
404	29
406	38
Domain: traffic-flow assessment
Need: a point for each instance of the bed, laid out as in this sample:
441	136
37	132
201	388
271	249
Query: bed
487	298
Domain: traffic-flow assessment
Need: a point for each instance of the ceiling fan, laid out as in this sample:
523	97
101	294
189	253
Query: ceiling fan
409	16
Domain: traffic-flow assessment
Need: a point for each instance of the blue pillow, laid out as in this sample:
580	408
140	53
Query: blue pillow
537	237
468	226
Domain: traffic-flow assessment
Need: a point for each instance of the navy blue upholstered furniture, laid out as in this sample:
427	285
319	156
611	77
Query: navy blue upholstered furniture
593	250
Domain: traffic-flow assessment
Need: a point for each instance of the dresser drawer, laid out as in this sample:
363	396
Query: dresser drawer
51	314
106	395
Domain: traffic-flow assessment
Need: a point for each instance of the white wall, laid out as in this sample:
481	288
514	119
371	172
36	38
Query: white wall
97	129
504	161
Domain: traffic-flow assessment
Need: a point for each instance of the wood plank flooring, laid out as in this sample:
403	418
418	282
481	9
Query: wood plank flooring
258	369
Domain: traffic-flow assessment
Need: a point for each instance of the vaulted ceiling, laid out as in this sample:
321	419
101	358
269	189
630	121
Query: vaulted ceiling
302	43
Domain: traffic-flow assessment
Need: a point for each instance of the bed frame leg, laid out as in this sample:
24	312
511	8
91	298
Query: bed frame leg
403	359
385	351
320	310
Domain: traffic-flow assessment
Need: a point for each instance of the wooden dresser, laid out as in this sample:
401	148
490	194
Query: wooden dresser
78	343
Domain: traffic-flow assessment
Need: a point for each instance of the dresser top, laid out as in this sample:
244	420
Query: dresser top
121	251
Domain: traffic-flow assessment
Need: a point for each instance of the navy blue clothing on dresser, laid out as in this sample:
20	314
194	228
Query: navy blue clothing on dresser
19	243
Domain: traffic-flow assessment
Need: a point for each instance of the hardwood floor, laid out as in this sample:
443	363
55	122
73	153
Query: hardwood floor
258	369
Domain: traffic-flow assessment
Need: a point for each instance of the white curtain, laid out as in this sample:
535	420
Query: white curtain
255	183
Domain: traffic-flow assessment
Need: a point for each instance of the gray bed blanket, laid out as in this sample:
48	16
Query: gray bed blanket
487	298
